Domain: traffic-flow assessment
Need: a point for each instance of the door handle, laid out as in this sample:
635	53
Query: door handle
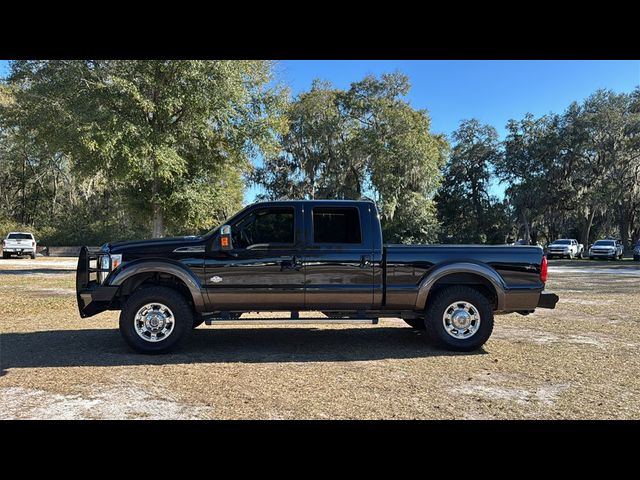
295	261
293	264
365	261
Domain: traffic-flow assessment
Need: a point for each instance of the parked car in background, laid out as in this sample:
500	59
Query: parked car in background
636	252
564	247
19	243
606	249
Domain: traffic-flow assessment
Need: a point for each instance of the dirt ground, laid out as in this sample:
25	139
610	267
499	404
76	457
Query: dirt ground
579	361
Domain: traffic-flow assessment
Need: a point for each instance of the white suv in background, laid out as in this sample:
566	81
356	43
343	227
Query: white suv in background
19	243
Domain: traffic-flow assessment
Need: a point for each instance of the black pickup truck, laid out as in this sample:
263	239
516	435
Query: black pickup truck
325	256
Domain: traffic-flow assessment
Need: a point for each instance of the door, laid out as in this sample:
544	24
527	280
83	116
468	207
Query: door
338	259
263	270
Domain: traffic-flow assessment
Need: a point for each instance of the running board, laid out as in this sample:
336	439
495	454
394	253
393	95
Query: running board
301	321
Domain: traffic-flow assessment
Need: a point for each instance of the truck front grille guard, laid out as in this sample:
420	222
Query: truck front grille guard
85	269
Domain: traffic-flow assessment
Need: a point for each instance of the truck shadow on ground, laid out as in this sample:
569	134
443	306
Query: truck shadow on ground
105	347
31	271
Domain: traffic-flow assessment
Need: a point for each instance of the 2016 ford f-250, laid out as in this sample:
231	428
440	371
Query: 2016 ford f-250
323	256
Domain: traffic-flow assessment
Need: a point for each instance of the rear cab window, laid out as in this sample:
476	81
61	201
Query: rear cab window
336	225
20	236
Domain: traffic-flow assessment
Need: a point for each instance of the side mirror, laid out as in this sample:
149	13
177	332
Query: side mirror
225	238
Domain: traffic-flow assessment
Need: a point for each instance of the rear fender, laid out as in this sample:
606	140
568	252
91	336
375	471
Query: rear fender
442	271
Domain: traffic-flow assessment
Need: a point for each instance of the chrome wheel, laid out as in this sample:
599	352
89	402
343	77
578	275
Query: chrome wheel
461	320
154	322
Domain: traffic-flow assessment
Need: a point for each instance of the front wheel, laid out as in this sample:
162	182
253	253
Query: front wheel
459	318
154	320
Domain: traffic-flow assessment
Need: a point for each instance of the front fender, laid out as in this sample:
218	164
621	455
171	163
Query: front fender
441	271
127	270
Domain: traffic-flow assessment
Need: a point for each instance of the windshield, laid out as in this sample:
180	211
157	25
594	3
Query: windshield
562	242
604	243
20	236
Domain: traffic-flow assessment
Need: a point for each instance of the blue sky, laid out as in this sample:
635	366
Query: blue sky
491	91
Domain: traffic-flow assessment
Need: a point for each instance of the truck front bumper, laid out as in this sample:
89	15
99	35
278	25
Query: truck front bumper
547	300
92	297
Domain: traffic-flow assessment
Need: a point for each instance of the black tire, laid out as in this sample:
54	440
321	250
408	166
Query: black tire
33	256
182	315
417	323
197	321
435	328
636	258
5	255
580	255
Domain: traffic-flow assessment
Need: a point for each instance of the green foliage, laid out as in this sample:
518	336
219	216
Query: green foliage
99	150
467	211
363	141
155	129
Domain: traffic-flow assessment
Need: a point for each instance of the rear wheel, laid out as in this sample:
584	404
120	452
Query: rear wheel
417	323
580	255
5	255
154	320
459	318
33	256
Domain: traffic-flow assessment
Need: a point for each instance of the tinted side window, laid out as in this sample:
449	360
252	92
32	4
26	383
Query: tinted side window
336	225
264	226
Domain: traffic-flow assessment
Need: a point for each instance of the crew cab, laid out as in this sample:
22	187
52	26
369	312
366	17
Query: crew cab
19	243
611	249
325	256
565	247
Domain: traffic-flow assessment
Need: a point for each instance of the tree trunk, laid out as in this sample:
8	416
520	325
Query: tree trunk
158	220
527	229
587	229
624	228
24	189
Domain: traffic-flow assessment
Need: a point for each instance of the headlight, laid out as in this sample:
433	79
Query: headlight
109	263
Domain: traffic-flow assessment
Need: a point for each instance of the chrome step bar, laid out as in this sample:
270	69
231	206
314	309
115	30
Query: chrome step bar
299	321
